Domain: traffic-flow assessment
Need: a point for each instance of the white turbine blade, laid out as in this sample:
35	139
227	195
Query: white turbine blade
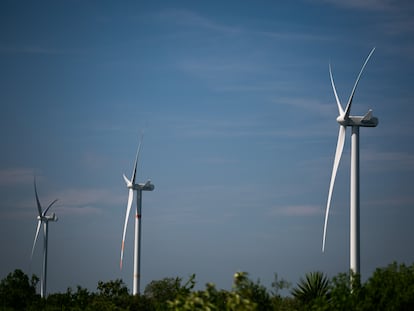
340	109
127	181
338	154
39	207
39	223
50	205
348	106
368	115
129	204
134	172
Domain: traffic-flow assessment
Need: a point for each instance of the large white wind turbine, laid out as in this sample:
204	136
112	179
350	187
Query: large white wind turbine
355	122
138	187
43	219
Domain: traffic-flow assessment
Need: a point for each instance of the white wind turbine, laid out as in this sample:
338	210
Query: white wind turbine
43	219
355	122
138	187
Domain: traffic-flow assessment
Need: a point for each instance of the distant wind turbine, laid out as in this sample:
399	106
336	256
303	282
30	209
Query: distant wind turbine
355	122
138	187
43	219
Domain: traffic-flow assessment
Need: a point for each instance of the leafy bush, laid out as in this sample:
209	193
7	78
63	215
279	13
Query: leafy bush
389	288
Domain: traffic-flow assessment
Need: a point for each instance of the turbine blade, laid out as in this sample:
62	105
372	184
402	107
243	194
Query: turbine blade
35	239
134	172
368	115
126	180
50	205
348	106
39	207
340	109
338	154
129	204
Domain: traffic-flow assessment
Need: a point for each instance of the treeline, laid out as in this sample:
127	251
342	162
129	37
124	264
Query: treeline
389	288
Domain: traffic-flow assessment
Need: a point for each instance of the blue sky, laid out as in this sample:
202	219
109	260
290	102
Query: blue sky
240	132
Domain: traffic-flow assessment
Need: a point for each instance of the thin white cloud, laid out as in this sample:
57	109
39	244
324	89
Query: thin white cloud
293	36
362	5
398	18
11	176
70	202
85	198
388	160
194	19
296	211
317	107
78	211
392	202
35	49
191	18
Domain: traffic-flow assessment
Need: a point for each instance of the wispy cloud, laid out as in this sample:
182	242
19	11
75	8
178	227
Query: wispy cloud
87	199
16	176
365	5
296	211
392	202
388	160
193	19
398	14
70	202
310	105
292	36
33	49
216	68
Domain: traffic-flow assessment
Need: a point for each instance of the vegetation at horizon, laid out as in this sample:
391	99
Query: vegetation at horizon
388	288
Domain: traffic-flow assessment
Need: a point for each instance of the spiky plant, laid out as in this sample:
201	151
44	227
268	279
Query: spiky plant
315	285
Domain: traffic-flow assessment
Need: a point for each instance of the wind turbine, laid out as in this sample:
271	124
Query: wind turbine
355	122
138	187
43	219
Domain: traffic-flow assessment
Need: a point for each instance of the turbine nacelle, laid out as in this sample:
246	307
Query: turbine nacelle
52	217
364	121
148	186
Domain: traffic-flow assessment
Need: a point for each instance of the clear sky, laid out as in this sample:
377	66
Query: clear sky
240	128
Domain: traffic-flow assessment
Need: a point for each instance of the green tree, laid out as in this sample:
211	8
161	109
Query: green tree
111	295
17	292
278	301
211	299
390	288
112	289
311	290
253	291
163	290
346	292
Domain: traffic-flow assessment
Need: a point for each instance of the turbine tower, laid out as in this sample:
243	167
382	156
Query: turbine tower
138	187
355	122
43	219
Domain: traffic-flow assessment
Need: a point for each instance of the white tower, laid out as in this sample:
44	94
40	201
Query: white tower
355	122
138	187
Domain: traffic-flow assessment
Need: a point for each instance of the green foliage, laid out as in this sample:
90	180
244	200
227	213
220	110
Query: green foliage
112	289
111	295
17	292
390	288
278	285
346	292
212	299
254	292
313	289
161	291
